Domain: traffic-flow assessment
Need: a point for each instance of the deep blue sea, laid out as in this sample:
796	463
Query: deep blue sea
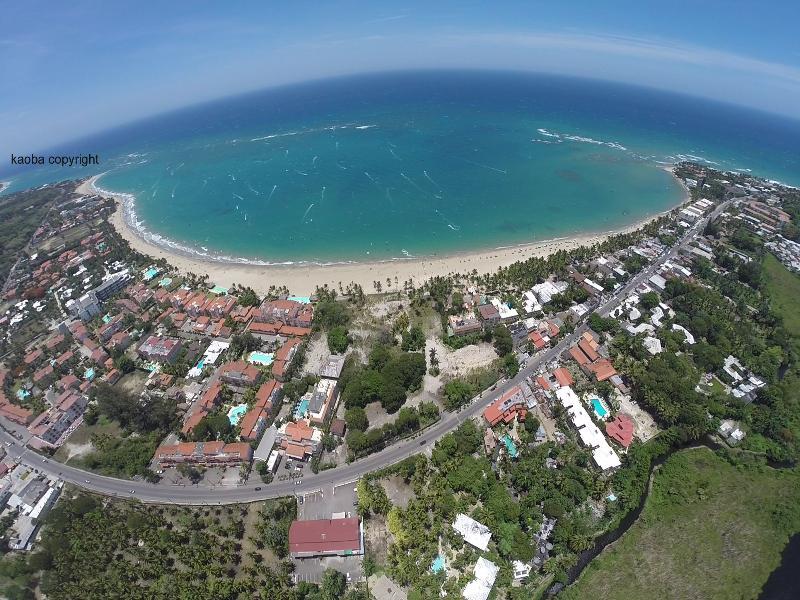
418	164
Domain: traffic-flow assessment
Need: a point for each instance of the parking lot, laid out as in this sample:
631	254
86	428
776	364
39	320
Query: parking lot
312	569
323	503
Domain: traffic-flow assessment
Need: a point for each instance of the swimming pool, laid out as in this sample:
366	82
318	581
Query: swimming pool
150	273
260	358
300	299
437	565
106	318
599	409
510	446
219	290
302	409
165	281
22	394
236	413
89	374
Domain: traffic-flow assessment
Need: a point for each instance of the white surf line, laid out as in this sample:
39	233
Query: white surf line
393	154
477	164
314	161
300	172
371	178
322	195
239	197
274	187
255	191
305	214
173	191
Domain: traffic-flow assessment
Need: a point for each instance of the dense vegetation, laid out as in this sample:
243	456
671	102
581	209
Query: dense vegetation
99	549
145	422
388	377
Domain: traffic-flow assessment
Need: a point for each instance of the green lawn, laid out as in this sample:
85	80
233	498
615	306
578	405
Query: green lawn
783	289
708	530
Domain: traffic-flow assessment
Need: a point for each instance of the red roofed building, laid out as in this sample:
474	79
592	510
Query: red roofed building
552	329
563	377
283	357
268	394
334	537
588	350
602	369
288	312
160	349
64	357
212	395
621	430
543	383
537	340
68	382
240	373
32	357
253	424
43	374
204	453
264	328
192	421
578	356
511	404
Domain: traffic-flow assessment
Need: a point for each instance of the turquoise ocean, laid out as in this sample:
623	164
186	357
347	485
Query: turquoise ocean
401	165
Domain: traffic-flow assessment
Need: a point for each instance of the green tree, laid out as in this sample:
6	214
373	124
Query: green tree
503	343
413	339
457	392
356	418
338	339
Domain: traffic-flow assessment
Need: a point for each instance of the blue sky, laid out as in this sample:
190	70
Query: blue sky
72	68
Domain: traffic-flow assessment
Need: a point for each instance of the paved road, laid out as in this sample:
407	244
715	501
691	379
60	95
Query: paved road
253	491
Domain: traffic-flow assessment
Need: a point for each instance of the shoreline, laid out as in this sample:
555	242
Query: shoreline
303	278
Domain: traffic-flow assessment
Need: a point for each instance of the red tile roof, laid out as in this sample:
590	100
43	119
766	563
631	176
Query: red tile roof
621	429
588	350
602	369
563	377
578	355
325	536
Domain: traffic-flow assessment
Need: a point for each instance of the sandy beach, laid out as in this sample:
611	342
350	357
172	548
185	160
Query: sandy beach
303	279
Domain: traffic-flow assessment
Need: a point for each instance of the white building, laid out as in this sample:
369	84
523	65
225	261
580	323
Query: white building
474	533
545	291
652	345
485	573
506	312
590	434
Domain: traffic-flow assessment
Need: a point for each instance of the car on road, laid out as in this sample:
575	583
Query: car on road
423	442
301	499
132	491
85	481
258	489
